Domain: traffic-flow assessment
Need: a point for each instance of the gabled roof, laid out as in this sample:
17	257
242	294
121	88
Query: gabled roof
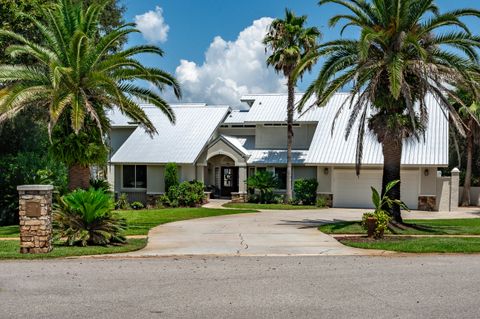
181	143
328	149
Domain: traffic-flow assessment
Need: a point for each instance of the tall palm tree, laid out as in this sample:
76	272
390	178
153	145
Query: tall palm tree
406	49
470	114
80	73
290	41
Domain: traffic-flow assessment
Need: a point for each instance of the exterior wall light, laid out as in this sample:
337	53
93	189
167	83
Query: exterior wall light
426	172
325	171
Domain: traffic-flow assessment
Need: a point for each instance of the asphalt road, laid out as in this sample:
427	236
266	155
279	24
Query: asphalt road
243	287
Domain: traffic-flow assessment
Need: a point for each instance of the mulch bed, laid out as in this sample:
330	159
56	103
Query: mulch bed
365	239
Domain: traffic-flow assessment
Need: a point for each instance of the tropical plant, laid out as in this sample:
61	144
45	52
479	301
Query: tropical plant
406	50
383	205
171	176
100	184
84	217
79	72
321	202
306	191
265	182
290	41
122	202
470	114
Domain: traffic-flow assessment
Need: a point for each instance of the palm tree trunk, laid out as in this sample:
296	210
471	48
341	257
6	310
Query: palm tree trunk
290	109
78	177
392	157
468	172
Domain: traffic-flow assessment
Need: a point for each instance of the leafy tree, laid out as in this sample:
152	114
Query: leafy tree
265	182
290	41
79	72
406	49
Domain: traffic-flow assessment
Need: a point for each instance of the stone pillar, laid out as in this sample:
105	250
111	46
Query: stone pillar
35	218
454	189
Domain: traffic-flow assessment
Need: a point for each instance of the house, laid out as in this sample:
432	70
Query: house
222	147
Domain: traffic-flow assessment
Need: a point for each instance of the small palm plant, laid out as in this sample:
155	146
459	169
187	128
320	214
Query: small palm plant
265	182
85	217
377	222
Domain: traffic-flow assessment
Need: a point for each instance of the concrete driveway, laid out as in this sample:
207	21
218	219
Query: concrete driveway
268	233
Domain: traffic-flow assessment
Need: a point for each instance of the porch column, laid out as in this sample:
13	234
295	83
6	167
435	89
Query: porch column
242	179
200	173
454	189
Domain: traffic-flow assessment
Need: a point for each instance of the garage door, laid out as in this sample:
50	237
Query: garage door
352	191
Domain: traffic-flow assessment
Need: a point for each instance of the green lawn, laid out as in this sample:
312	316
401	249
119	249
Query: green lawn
420	245
9	249
268	206
141	221
10	231
418	227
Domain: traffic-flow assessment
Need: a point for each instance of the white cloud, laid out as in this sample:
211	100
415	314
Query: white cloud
231	69
152	25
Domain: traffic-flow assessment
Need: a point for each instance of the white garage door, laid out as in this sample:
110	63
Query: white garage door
352	191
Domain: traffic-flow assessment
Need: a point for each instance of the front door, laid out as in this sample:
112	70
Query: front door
229	180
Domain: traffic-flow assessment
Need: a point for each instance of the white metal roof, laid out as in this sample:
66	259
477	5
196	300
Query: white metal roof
236	117
259	157
180	143
328	149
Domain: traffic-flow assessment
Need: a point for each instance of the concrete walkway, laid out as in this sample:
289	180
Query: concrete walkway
268	233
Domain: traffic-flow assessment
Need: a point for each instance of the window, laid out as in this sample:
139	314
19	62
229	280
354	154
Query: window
281	173
135	176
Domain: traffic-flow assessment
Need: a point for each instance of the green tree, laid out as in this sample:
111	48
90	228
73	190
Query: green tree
406	49
290	41
171	176
79	72
470	114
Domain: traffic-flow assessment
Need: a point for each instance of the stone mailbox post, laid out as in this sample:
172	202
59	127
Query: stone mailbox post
35	218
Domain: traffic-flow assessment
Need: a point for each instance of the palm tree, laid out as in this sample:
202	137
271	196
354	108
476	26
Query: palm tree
470	113
290	42
400	57
80	73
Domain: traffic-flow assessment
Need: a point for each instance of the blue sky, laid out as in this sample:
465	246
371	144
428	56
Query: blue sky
234	65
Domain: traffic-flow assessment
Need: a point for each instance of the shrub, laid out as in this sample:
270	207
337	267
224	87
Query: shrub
322	202
381	222
186	194
101	184
305	191
137	205
265	182
171	176
85	218
122	202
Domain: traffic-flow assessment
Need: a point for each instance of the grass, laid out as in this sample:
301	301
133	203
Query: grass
9	249
268	206
10	231
420	245
418	227
141	221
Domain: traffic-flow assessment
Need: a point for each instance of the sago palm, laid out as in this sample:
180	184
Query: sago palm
79	71
290	41
406	50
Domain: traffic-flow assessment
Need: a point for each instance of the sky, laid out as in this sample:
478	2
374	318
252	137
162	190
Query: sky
214	47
